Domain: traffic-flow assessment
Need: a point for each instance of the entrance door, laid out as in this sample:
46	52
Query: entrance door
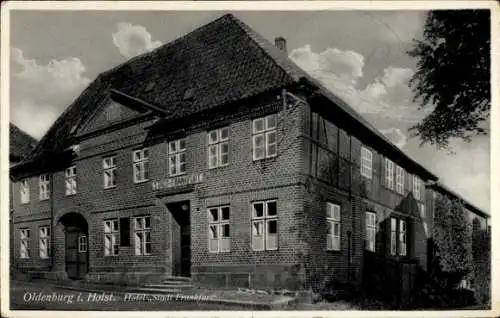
76	252
185	247
181	238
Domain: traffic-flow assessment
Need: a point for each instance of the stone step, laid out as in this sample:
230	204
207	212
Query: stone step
178	285
158	290
172	279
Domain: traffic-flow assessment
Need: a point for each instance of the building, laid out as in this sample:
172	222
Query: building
216	157
21	144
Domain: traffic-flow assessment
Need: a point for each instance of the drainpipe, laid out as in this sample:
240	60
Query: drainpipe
353	225
52	225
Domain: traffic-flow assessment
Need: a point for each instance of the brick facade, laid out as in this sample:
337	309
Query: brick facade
318	161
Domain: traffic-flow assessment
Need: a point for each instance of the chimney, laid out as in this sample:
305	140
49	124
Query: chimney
280	43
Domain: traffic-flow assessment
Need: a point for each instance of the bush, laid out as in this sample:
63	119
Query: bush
335	291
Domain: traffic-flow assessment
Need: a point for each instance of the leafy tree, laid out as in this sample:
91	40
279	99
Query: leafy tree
453	239
453	75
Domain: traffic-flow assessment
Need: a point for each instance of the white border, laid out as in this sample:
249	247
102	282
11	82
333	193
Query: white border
252	6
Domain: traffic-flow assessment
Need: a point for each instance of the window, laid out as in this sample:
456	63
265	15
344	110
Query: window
142	229
109	166
264	226
333	227
394	237
25	191
82	243
44	187
416	187
218	148
421	208
218	229
111	237
25	243
140	164
44	236
402	237
113	111
371	231
366	162
264	139
398	237
389	173
177	157
71	180
400	180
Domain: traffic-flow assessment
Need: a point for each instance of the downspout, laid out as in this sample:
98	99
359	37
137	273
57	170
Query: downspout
52	225
351	233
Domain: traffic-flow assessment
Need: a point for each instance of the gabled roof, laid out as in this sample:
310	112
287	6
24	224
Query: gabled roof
221	62
21	144
443	189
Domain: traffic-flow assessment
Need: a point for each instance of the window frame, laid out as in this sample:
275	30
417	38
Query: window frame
218	144
400	180
333	221
70	176
219	225
82	244
177	154
24	246
24	191
403	238
264	133
371	231
366	169
394	236
264	221
112	233
389	173
111	169
44	187
140	164
416	187
145	231
44	237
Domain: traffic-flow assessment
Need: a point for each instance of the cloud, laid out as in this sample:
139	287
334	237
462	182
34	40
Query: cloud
133	40
387	103
396	136
39	93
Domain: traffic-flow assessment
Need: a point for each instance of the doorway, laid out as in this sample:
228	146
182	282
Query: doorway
180	238
76	245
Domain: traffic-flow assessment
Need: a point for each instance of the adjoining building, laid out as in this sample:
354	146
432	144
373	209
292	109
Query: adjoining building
20	145
216	157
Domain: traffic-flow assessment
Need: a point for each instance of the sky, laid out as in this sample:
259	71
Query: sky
359	55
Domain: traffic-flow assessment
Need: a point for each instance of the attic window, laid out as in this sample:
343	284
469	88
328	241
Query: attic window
113	112
150	86
189	93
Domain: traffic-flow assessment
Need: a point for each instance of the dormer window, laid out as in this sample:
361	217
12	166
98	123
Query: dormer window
113	112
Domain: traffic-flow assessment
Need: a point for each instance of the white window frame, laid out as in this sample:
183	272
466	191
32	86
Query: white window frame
260	227
218	147
333	219
416	187
111	237
371	231
421	209
366	162
82	244
44	242
400	180
140	159
24	190
142	235
389	173
177	157
70	180
109	173
217	241
24	246
394	236
402	238
263	128
44	186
